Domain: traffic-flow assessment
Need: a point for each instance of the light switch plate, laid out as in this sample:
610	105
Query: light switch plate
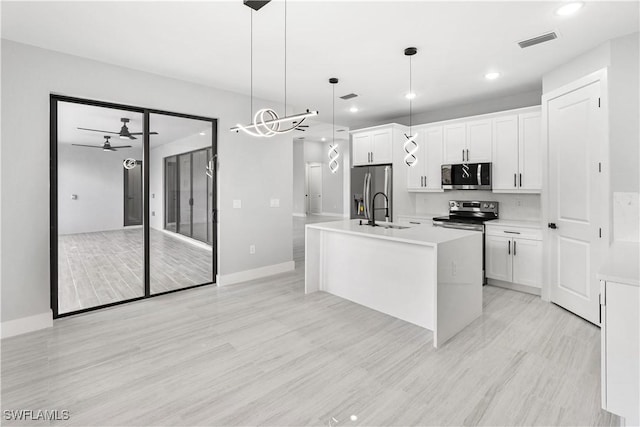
237	204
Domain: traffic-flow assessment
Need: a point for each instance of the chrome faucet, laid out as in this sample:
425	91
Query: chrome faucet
372	220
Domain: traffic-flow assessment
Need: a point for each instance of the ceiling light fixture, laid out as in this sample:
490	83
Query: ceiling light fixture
569	8
410	146
333	152
492	76
266	122
410	95
203	133
353	109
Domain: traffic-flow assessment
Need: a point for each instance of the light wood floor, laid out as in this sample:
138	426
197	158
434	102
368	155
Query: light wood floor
104	267
264	353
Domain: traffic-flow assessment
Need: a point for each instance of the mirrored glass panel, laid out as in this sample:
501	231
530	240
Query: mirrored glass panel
181	202
100	206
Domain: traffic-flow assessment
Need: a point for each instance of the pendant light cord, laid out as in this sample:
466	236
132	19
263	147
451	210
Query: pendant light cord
333	117
410	95
251	62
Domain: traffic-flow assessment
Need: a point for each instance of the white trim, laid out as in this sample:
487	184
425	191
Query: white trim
299	214
338	215
256	273
600	76
194	242
27	324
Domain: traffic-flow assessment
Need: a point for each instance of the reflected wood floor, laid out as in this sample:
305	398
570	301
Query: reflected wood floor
104	267
264	353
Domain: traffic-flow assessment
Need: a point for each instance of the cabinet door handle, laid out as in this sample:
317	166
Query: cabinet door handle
463	154
372	157
425	181
509	247
520	180
467	154
514	248
515	184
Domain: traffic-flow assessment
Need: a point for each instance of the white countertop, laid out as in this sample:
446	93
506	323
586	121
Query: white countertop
422	234
622	264
423	215
513	223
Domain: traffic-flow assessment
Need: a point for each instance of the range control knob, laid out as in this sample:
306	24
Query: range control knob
491	206
485	206
457	205
452	204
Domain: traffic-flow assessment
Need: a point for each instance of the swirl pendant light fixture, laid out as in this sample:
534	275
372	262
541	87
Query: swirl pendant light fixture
410	146
333	152
266	122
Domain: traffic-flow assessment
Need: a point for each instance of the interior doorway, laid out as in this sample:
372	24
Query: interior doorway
314	188
133	193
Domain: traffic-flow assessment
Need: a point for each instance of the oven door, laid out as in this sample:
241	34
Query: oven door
466	176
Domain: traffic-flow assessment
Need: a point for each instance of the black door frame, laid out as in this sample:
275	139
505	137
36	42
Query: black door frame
53	195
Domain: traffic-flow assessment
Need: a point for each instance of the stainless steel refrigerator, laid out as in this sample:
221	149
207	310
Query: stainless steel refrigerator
366	181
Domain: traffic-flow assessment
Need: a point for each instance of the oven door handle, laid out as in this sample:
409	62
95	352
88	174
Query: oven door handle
459	226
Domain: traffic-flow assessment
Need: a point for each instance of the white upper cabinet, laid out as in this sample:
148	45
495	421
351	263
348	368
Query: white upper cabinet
530	149
517	159
373	147
468	141
455	143
505	153
425	175
479	141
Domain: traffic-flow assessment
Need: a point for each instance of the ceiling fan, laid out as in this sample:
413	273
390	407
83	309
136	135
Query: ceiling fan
124	130
106	146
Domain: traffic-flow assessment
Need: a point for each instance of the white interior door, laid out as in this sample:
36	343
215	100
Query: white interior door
575	131
315	188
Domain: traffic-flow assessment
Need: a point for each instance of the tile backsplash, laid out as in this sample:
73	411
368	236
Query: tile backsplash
512	206
626	217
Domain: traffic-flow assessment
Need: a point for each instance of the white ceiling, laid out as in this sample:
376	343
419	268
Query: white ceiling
360	42
71	116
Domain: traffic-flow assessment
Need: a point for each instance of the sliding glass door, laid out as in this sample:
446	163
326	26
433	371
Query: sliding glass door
182	199
132	203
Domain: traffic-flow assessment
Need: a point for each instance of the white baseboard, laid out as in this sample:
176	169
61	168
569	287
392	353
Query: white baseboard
24	325
299	214
256	273
186	239
514	286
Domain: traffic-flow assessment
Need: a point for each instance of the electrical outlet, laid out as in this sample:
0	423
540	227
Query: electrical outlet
454	269
237	204
518	202
274	203
252	249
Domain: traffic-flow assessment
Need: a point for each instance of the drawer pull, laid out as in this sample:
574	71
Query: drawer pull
413	222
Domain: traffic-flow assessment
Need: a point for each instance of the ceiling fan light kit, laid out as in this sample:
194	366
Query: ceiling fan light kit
266	122
106	146
124	132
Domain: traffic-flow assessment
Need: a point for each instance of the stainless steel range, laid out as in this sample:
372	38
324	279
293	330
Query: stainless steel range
469	215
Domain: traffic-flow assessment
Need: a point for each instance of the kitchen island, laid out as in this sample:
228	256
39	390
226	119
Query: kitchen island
429	276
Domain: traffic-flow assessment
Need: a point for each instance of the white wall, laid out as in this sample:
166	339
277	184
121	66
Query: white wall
156	172
97	179
332	184
249	169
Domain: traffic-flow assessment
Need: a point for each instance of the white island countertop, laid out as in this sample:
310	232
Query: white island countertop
418	234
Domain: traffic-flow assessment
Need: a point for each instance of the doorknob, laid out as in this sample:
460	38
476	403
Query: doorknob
552	225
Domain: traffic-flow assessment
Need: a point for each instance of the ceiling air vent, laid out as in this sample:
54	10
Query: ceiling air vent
538	39
349	96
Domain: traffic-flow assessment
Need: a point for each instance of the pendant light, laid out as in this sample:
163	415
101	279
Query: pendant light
410	145
333	152
266	122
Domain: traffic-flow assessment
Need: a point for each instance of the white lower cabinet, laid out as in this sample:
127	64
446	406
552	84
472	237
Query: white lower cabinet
514	255
620	341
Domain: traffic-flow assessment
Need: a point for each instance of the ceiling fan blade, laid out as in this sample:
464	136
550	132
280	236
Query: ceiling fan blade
142	133
101	131
90	146
121	146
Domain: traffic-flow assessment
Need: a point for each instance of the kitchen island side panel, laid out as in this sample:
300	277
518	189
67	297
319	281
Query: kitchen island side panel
395	278
459	290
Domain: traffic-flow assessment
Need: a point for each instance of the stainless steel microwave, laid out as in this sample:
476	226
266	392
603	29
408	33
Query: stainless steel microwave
466	176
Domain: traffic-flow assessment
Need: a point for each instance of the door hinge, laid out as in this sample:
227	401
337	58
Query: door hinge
600	167
598	102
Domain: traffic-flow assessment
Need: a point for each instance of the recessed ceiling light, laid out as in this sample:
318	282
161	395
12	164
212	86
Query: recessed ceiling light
410	95
569	8
203	133
323	139
492	76
353	109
